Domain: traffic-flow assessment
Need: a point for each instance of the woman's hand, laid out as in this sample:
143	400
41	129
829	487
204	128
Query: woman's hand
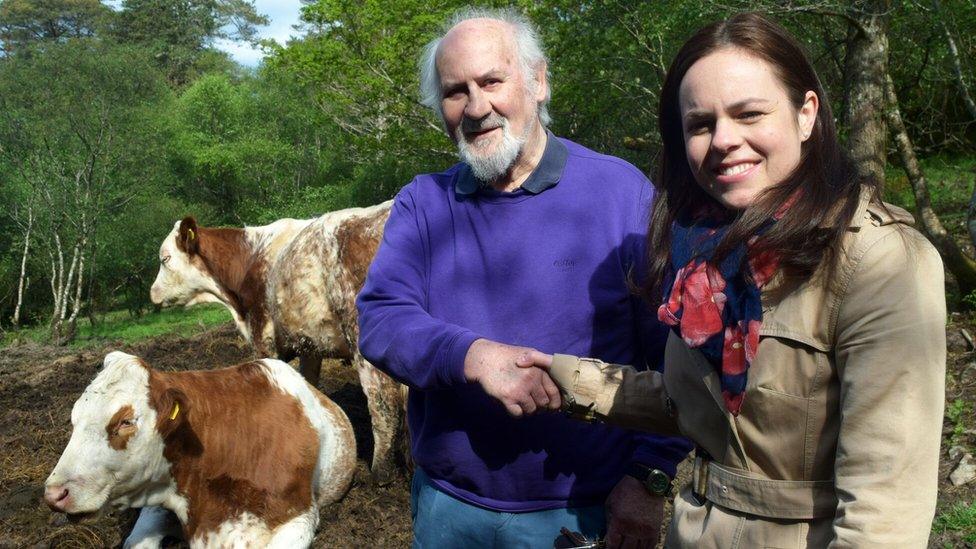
534	358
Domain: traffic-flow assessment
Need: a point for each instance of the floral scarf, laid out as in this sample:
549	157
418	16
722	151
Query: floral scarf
715	308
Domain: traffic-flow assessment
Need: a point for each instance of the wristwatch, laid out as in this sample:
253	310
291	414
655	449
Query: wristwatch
656	481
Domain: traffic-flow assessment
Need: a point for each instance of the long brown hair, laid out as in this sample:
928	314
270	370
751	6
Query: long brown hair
829	186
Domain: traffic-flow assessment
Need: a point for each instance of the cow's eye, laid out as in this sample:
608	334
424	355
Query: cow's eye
127	423
164	260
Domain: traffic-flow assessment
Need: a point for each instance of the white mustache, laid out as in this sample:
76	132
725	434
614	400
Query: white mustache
470	125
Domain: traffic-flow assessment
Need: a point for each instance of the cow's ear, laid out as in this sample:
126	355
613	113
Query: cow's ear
173	411
188	238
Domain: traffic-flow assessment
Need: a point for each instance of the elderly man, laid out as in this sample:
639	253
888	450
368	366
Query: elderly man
528	242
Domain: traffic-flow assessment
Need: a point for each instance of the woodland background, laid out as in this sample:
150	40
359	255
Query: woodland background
116	121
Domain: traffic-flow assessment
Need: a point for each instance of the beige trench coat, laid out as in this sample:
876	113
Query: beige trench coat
837	440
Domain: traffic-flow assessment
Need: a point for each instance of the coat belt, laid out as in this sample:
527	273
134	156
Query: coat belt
741	491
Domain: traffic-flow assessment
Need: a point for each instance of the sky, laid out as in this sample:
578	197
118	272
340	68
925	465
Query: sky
282	15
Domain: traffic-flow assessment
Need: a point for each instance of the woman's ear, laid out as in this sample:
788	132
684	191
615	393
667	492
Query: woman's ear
806	117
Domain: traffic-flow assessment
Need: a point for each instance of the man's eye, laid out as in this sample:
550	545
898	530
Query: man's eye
750	115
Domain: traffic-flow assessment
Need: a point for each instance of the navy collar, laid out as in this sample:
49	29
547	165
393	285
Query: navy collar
545	175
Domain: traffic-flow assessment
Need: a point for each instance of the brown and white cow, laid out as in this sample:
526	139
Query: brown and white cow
291	287
242	455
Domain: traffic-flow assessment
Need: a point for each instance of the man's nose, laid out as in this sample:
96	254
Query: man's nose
478	105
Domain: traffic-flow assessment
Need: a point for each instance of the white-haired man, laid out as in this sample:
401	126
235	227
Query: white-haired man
527	242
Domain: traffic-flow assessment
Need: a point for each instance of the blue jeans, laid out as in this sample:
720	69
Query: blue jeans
441	521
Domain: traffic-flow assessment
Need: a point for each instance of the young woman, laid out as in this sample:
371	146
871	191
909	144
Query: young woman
807	353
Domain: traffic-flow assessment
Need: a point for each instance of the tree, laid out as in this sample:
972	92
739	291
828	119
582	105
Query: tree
361	60
27	22
180	33
77	145
871	113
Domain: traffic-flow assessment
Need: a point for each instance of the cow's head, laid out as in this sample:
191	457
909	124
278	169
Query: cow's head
183	278
115	454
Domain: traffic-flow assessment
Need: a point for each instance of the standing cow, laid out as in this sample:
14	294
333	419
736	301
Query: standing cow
243	456
291	287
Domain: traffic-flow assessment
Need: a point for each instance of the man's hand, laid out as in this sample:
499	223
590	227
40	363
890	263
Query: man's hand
634	516
520	390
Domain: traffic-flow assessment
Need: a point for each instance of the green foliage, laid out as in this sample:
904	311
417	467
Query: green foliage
969	300
360	58
79	131
333	119
25	23
253	149
178	32
961	518
608	60
956	414
123	327
950	178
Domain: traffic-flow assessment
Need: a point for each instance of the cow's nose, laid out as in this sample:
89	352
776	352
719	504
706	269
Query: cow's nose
56	497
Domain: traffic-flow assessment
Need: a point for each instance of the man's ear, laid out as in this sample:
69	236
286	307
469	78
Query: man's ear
542	82
188	237
173	410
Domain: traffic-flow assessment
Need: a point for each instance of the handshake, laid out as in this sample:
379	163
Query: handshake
515	376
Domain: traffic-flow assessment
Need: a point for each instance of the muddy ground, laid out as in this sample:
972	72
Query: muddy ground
39	384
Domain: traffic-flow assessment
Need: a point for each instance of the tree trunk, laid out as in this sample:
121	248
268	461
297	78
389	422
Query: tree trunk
68	283
79	284
962	267
866	65
971	216
956	63
57	277
23	267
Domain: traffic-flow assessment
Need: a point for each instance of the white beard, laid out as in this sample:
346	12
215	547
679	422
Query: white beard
490	167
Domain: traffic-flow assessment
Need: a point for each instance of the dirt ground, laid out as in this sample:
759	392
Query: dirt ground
39	384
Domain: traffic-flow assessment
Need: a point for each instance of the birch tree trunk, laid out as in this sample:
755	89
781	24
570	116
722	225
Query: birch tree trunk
962	267
956	63
57	277
79	284
23	266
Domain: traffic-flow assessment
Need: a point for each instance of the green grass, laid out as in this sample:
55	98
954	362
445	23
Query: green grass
956	412
961	518
121	326
950	182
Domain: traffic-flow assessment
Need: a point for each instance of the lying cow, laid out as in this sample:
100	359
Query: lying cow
291	287
242	455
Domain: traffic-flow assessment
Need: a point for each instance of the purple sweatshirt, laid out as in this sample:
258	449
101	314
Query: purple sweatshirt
545	267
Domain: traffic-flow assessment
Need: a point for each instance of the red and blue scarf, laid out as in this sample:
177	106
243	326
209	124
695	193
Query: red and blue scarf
716	308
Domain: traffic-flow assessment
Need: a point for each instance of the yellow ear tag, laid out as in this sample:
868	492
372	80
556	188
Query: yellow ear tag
176	411
189	233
